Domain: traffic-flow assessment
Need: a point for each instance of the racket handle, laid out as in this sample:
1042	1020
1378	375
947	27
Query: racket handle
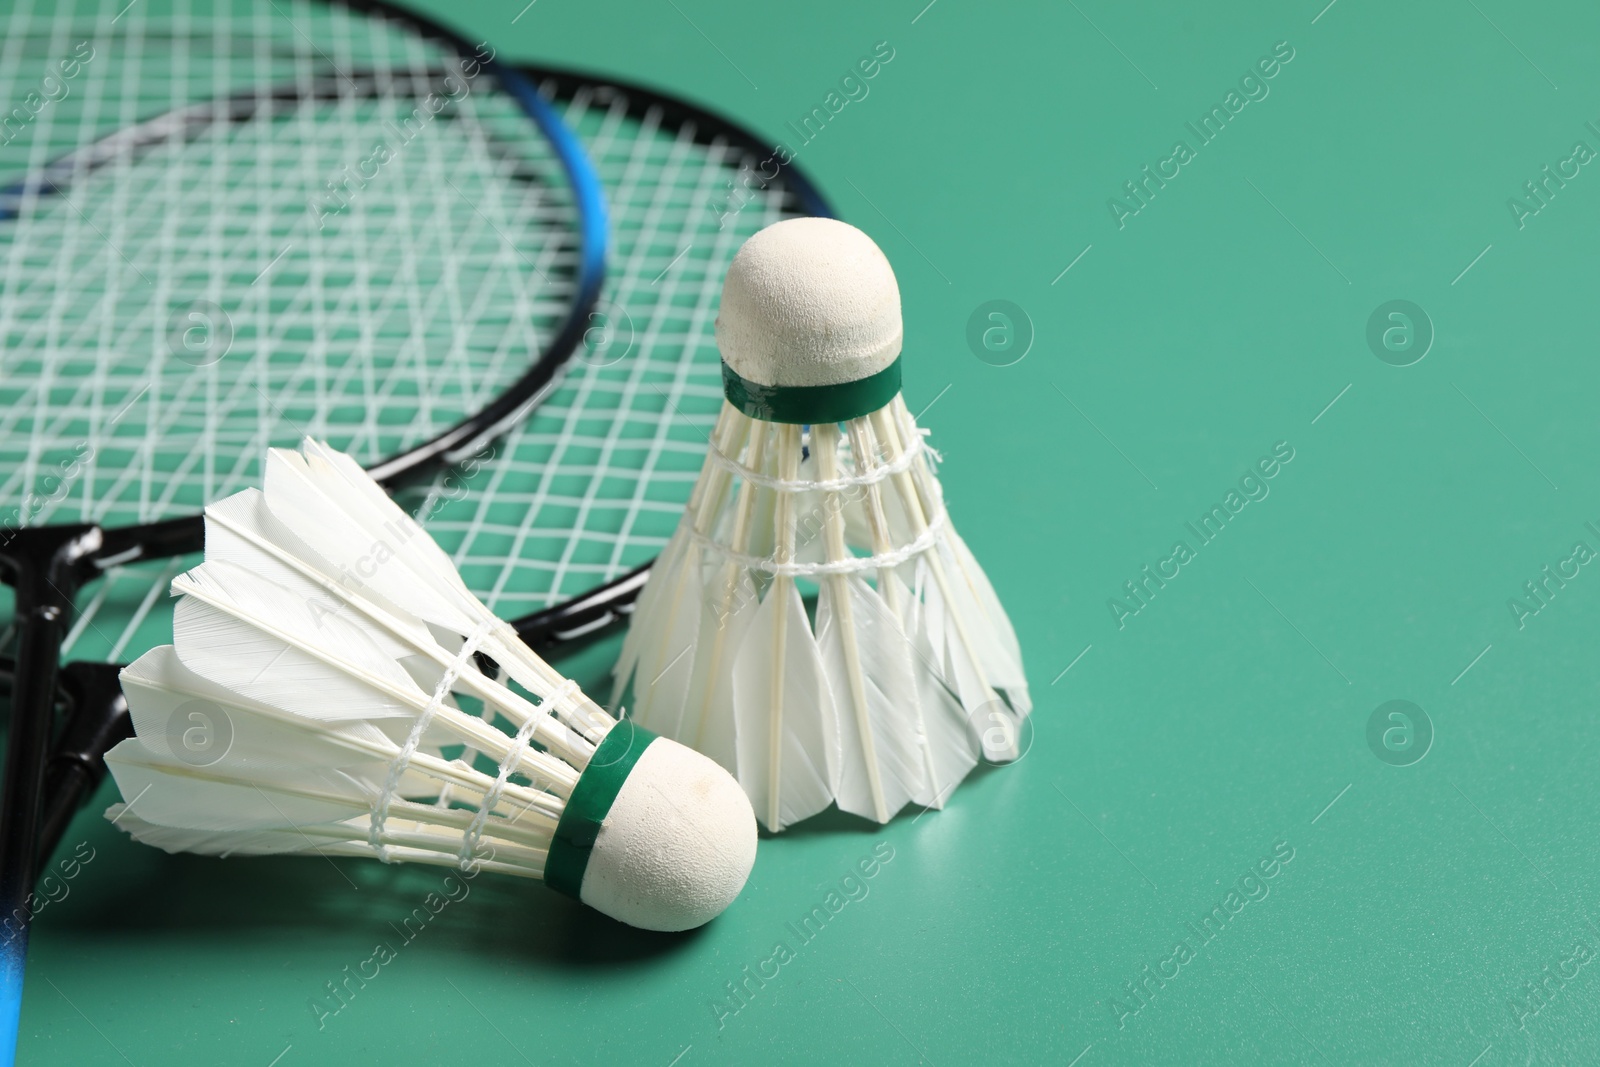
45	565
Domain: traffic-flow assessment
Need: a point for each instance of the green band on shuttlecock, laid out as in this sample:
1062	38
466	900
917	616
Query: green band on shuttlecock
811	404
591	801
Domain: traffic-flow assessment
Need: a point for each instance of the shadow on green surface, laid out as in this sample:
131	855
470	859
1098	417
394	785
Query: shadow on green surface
497	918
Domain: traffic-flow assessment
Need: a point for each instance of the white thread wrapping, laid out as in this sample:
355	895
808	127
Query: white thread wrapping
397	767
853	565
447	789
871	476
469	842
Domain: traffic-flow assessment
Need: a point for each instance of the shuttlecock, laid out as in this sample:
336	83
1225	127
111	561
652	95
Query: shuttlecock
818	478
334	688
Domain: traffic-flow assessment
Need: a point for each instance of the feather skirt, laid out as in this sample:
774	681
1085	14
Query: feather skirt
903	673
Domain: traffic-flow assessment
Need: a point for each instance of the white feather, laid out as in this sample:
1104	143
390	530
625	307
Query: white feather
165	698
170	793
998	641
242	530
960	669
252	842
988	715
951	747
363	546
262	641
640	636
882	763
180	716
807	745
326	839
365	499
708	713
666	654
258	639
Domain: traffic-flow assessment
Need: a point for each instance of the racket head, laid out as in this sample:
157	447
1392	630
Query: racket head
591	484
232	225
555	524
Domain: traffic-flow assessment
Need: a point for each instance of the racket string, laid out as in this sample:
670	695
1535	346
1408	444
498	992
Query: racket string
504	356
594	483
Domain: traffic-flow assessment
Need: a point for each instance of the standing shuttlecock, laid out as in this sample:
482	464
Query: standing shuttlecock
818	479
334	688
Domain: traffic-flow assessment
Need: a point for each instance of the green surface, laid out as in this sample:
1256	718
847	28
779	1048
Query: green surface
1229	717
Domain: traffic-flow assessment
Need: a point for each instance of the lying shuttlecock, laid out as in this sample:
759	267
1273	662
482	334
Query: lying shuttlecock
909	669
315	696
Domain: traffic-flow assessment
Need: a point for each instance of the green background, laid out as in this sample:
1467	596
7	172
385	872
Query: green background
1228	716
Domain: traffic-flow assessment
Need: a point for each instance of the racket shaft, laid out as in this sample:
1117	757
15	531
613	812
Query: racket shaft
45	564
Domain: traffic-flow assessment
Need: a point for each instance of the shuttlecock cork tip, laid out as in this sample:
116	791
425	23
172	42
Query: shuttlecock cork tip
809	303
677	844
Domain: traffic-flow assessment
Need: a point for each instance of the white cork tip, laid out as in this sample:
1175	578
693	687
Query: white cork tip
677	845
809	302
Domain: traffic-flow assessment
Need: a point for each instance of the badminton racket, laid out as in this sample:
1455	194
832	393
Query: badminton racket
227	224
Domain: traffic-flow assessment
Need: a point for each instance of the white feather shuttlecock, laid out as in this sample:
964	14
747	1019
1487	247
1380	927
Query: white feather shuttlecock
314	701
818	478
